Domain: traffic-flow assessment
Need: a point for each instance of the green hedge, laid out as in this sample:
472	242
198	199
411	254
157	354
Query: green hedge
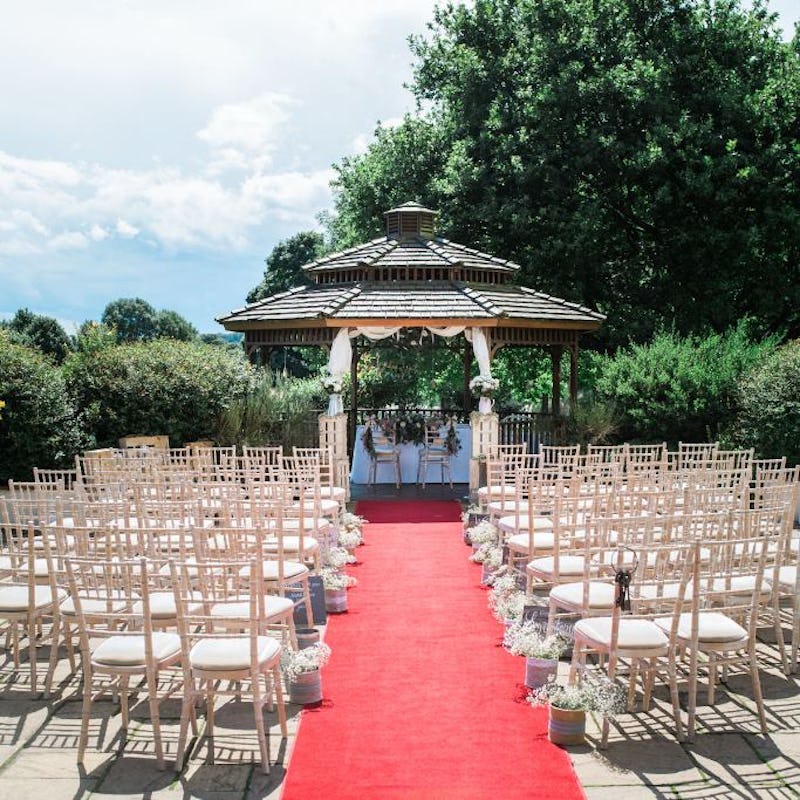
679	388
39	425
160	387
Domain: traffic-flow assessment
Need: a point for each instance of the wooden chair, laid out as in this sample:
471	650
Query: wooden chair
385	452
501	464
434	453
29	595
223	646
117	639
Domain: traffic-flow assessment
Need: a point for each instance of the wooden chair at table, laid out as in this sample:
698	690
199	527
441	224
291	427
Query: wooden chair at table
118	642
223	645
434	453
385	451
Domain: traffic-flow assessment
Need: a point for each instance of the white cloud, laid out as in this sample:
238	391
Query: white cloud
70	240
250	128
362	141
125	229
97	233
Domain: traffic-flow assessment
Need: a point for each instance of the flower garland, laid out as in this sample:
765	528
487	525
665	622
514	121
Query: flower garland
484	385
409	428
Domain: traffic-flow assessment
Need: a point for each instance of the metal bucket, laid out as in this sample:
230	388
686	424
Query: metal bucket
306	689
306	637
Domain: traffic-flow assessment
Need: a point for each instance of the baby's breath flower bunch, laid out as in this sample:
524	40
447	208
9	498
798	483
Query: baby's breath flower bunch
334	580
603	696
350	538
529	640
491	555
484	532
307	660
509	606
338	557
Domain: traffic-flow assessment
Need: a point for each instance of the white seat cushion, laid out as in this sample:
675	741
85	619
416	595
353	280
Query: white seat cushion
128	651
274	607
291	569
508	506
521	523
542	540
327	507
14	598
224	655
336	493
94	605
162	605
713	627
567	565
634	634
601	595
500	490
787	577
291	544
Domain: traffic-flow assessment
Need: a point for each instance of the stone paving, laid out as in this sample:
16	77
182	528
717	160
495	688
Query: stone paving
729	759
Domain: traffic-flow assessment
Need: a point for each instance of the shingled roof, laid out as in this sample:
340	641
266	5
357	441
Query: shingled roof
411	276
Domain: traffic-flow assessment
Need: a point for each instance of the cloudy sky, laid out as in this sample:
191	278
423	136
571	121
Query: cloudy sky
161	148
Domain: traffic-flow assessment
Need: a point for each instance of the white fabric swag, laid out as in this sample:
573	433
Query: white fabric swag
342	351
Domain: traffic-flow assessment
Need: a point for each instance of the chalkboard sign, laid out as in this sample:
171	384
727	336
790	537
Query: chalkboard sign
563	626
317	591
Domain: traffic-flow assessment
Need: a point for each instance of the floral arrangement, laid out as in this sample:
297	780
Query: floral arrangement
350	539
603	696
352	521
483	533
470	511
509	606
484	385
334	580
338	557
504	583
332	383
488	554
528	639
307	660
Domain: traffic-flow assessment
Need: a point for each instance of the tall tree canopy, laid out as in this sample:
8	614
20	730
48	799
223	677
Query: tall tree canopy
133	318
39	332
638	156
284	264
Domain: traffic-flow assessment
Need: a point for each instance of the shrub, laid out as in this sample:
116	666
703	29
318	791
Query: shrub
39	425
679	389
768	417
276	410
159	387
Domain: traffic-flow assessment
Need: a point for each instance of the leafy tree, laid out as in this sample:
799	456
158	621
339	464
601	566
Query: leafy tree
93	335
171	325
133	318
39	426
638	156
41	333
284	264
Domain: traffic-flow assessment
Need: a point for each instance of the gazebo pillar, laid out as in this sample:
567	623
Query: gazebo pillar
555	356
573	375
466	395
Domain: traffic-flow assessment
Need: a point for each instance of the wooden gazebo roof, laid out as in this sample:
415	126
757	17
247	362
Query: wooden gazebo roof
411	278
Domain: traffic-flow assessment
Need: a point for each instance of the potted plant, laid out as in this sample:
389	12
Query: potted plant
303	673
568	706
349	540
336	585
541	652
508	607
471	517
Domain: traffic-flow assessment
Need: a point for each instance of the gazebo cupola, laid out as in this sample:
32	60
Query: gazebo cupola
410	221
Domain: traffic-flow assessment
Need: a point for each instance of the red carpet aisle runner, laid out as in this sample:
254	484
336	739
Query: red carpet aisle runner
420	699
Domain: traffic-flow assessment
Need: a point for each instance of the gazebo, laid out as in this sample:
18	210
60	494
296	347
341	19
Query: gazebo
412	278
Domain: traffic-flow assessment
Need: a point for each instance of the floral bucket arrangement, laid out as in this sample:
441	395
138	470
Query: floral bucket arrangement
336	584
484	386
490	557
568	706
483	533
303	673
541	652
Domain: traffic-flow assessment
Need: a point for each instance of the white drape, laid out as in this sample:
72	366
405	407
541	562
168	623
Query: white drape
480	348
341	354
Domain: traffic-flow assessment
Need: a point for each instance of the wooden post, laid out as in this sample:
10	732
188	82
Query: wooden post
573	375
353	422
466	397
555	355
